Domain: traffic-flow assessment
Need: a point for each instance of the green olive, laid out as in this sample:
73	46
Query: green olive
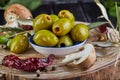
42	21
65	41
62	26
79	32
45	38
9	43
67	14
19	44
54	18
3	39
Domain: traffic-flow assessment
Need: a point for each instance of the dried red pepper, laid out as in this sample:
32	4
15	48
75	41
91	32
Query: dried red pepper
103	29
27	27
30	64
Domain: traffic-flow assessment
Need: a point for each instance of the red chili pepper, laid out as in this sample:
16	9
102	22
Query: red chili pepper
30	64
27	27
103	29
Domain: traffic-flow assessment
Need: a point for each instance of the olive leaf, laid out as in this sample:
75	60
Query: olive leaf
96	24
118	24
4	29
25	21
110	6
104	14
103	10
118	16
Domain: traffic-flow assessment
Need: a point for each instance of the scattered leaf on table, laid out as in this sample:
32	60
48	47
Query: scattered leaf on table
96	24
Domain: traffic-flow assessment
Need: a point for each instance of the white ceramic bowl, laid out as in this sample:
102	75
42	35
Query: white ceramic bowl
62	51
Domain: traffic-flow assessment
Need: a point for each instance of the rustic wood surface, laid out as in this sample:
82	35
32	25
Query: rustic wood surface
103	69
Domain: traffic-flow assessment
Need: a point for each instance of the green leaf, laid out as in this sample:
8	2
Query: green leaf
112	11
104	13
103	9
9	43
4	29
96	24
34	4
30	4
118	16
3	2
25	21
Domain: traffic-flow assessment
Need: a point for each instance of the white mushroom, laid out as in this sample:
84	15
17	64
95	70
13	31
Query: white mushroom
85	57
14	12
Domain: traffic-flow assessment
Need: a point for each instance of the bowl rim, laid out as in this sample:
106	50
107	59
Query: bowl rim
76	44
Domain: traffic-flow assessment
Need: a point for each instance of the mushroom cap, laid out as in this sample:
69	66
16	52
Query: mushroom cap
17	11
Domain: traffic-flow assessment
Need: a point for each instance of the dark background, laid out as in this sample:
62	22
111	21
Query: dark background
83	10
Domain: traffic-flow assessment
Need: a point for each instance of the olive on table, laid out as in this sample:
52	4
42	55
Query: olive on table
19	44
9	43
3	39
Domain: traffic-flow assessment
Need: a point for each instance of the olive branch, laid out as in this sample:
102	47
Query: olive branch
104	15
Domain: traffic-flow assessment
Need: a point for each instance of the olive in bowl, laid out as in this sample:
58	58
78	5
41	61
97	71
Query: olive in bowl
57	51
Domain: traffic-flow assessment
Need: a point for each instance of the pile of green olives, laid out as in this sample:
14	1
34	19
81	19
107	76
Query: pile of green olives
58	30
50	30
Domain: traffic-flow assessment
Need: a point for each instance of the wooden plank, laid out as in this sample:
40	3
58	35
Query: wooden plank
102	65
